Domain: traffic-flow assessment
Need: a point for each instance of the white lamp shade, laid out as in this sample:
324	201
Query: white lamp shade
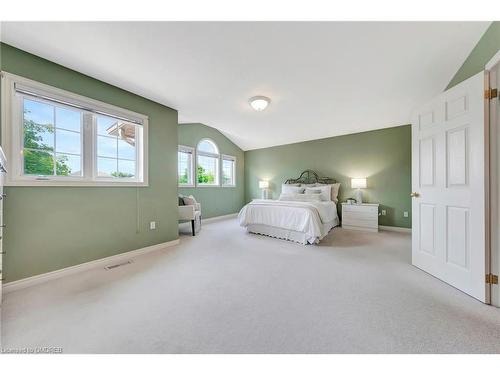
358	183
263	184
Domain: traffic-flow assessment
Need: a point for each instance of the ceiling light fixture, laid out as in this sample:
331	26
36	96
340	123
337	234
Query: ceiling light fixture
259	103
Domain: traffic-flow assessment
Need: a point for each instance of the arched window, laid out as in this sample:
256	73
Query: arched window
208	146
207	163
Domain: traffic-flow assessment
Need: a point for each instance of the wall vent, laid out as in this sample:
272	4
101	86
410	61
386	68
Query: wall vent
113	266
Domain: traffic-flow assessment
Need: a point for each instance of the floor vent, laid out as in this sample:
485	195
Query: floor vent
113	266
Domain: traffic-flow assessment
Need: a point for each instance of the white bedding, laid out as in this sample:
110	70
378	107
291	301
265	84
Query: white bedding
309	218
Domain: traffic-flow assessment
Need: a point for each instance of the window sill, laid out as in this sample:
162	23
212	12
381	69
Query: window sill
207	186
59	183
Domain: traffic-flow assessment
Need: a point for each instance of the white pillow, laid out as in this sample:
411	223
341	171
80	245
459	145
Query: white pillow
287	189
316	197
312	190
335	190
300	197
189	201
308	185
325	191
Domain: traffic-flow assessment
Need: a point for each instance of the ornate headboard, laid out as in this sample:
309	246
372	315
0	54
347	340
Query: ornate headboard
310	177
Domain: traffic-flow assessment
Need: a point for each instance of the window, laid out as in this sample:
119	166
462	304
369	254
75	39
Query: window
185	166
228	170
52	140
208	163
116	151
207	168
54	137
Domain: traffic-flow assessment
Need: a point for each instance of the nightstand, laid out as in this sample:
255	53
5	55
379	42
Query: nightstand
360	216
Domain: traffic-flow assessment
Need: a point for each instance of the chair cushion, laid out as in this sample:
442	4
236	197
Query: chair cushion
190	201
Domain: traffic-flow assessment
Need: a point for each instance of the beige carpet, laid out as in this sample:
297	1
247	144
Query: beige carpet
226	291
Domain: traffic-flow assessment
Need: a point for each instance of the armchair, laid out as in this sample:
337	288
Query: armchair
191	213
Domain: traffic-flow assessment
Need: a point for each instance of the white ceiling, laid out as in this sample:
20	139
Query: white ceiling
324	79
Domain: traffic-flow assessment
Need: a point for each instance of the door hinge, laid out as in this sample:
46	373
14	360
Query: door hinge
491	279
490	93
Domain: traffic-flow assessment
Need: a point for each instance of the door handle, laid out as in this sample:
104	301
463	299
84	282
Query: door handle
414	195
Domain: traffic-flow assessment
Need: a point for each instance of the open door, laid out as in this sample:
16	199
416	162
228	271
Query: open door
492	82
448	184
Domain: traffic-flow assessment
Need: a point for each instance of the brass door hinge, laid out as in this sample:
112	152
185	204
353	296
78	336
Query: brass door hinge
491	279
490	93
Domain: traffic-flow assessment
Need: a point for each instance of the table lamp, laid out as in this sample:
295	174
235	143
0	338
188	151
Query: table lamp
264	185
358	183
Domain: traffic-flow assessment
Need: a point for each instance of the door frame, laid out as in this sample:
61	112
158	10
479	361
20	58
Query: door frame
492	178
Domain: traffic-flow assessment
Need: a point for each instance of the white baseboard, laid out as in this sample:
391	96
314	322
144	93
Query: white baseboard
218	218
44	277
394	229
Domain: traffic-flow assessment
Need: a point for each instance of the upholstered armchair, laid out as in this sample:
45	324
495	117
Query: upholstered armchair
190	212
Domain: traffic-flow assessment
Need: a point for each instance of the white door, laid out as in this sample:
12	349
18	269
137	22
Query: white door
1	223
494	117
448	177
3	166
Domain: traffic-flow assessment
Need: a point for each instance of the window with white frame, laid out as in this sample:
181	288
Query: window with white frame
116	148
54	137
228	170
207	163
185	166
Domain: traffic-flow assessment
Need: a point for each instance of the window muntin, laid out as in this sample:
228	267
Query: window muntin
52	140
185	162
228	170
50	137
207	163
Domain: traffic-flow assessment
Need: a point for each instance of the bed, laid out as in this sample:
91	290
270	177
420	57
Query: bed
306	220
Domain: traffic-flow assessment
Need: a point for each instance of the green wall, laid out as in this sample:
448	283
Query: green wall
215	201
485	49
49	228
382	156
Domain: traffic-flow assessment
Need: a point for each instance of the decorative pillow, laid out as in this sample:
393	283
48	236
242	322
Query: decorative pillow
288	189
300	197
325	191
312	191
181	200
189	201
315	196
335	191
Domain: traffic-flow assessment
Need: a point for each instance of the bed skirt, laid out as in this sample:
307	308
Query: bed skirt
291	235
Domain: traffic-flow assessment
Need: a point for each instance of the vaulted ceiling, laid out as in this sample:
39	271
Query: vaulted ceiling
324	78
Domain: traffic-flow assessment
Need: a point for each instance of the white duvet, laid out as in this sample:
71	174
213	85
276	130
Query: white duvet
305	217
